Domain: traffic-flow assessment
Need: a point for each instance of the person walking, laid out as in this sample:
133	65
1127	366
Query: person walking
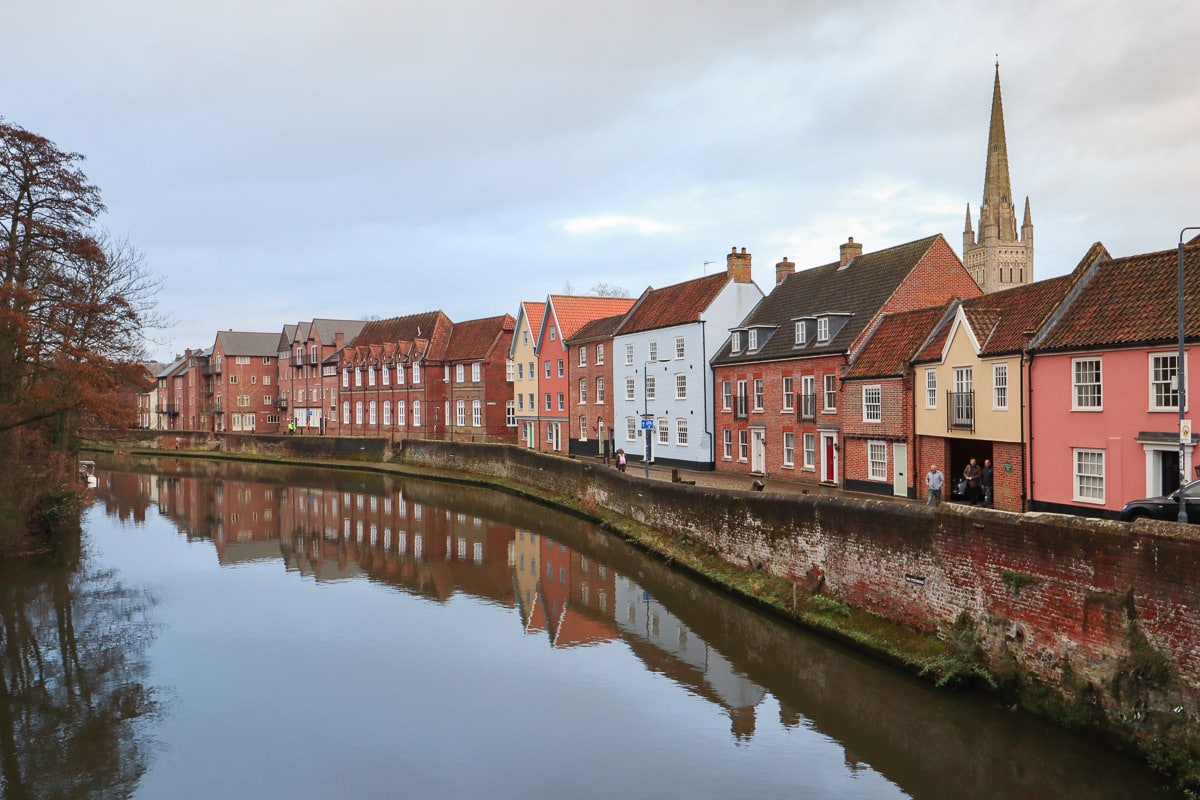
621	460
986	479
934	481
972	473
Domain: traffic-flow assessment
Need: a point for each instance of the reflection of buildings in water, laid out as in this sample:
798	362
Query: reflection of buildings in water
559	593
666	645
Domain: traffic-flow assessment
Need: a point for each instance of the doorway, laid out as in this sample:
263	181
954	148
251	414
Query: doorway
900	469
758	451
829	458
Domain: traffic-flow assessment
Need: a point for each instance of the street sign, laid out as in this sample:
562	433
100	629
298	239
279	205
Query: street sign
647	424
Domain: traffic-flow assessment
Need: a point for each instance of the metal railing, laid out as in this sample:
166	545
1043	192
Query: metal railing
807	406
960	411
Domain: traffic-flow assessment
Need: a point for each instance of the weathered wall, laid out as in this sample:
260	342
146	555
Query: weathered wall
1106	609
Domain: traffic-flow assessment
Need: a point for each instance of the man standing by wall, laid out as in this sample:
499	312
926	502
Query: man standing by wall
934	480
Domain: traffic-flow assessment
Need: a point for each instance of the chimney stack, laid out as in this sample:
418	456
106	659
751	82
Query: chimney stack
783	269
850	251
738	265
339	339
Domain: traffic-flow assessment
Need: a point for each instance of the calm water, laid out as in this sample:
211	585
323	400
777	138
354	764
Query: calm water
255	632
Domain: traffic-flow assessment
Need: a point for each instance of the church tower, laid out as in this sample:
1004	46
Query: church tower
998	259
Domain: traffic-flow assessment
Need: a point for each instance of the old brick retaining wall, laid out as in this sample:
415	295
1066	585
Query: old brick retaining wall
1107	611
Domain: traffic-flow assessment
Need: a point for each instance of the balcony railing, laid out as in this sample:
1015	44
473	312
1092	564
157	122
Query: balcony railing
298	359
169	408
807	407
281	402
960	411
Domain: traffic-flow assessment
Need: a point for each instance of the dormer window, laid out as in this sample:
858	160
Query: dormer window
752	339
735	342
823	329
801	332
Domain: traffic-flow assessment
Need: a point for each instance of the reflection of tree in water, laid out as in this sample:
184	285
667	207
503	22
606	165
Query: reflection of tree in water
74	707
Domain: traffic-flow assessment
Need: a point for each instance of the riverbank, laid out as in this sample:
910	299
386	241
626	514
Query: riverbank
1083	621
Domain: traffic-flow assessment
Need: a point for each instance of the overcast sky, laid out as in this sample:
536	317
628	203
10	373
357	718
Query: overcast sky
281	160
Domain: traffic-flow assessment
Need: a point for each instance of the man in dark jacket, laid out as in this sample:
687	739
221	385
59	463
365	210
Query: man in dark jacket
972	474
986	478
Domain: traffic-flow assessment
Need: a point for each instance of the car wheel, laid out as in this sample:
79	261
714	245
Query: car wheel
1136	515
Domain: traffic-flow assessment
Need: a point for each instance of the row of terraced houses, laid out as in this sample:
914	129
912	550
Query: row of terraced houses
859	373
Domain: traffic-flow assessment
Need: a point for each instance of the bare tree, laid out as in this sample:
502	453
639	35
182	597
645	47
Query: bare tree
604	289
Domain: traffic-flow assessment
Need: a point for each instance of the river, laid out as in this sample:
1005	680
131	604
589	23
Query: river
250	631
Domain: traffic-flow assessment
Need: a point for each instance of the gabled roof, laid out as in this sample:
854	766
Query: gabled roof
244	343
1131	301
1003	322
287	337
532	311
327	330
173	367
674	305
855	292
597	329
431	326
572	312
894	341
473	340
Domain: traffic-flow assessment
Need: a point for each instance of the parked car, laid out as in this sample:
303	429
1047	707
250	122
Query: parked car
1166	508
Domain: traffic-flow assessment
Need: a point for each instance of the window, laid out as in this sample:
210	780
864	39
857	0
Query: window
681	386
663	426
370	376
266	380
266	359
727	444
525	337
651	390
808	397
387	412
266	399
532	374
681	432
599	390
583	429
460	413
631	428
931	388
789	449
521	402
831	392
243	401
1086	390
1089	475
346	413
346	378
232	378
358	376
399	373
371	412
726	396
823	329
553	334
583	356
789	393
679	347
652	351
1164	373
628	354
583	391
758	394
510	415
508	369
532	405
401	413
1000	387
872	404
629	388
877	460
241	359
561	371
416	373
743	445
549	402
476	414
810	451
459	373
358	413
962	407
387	377
801	335
735	342
752	339
476	371
743	400
546	364
562	401
253	380
599	354
416	413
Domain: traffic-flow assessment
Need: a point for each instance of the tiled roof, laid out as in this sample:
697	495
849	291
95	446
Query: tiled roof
287	337
534	312
574	311
893	343
327	329
859	289
602	328
674	305
431	326
1131	300
242	343
473	339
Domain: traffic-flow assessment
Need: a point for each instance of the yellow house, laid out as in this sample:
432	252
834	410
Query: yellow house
523	355
969	387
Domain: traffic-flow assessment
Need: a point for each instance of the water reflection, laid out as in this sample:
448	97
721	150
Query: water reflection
576	587
75	704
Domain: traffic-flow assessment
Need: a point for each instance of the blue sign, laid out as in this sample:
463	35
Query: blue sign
647	424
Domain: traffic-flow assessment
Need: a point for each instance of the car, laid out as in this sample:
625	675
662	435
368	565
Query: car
1166	508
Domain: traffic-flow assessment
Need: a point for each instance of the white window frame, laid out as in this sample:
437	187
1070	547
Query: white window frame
631	429
460	413
416	412
460	371
823	329
789	394
476	371
743	445
727	445
628	355
757	395
752	339
735	342
662	427
801	333
476	414
681	386
1088	483
931	388
1083	390
681	432
830	385
872	403
401	412
599	355
1167	384
877	460
651	388
1000	387
599	391
680	347
726	396
652	351
583	355
583	391
810	451
789	449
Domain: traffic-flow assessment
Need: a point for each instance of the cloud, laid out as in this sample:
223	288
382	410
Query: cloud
614	223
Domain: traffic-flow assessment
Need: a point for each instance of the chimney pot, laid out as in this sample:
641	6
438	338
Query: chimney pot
738	265
783	269
850	251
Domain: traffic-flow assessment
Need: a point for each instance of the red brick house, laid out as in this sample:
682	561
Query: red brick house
590	386
245	371
308	374
185	392
777	380
478	393
877	405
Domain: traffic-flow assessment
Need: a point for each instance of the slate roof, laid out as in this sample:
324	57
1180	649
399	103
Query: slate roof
597	329
674	305
574	311
1131	301
472	340
244	343
894	341
433	327
287	337
328	329
1001	321
859	290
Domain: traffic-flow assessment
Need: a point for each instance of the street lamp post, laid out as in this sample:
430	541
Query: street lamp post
1180	372
646	416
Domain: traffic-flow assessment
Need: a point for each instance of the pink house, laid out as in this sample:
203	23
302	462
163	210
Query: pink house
1103	416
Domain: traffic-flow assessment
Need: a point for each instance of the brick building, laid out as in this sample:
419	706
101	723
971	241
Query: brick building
589	352
308	376
244	370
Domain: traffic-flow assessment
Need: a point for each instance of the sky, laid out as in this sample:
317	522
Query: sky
276	161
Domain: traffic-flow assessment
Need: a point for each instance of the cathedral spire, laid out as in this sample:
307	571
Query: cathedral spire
997	208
